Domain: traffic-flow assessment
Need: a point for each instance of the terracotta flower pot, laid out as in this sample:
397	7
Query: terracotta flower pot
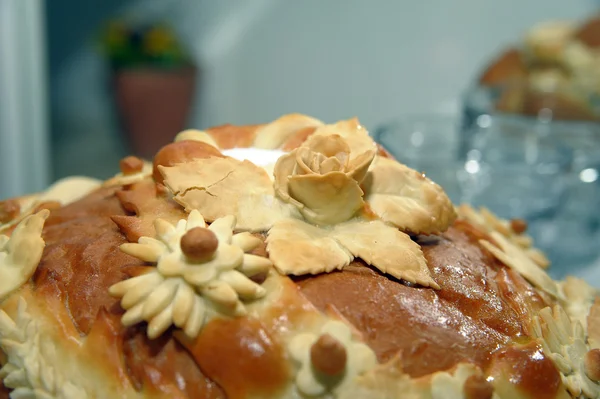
153	105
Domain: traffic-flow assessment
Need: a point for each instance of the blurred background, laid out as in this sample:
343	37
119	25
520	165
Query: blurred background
496	101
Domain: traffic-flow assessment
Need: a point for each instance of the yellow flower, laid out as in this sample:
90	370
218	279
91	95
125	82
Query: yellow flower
159	40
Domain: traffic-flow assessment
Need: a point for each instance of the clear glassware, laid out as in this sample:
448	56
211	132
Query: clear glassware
429	144
543	171
515	168
570	234
573	237
562	103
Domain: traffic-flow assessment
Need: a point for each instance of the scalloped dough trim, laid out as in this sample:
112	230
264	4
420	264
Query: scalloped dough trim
21	253
31	356
64	191
485	220
579	298
516	258
593	324
387	381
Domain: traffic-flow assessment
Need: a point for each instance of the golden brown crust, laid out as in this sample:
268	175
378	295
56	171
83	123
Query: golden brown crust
82	255
81	260
4	392
428	326
477	387
261	364
592	364
163	365
532	373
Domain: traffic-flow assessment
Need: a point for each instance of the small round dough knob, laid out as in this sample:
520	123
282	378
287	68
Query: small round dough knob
519	226
477	387
131	165
199	244
592	364
328	355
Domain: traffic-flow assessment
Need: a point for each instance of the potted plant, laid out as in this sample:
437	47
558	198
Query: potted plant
153	82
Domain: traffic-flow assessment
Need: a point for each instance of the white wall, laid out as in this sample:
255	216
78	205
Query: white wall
23	114
331	59
374	59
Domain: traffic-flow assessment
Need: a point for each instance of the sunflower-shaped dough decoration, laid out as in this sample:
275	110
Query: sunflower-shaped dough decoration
321	194
200	271
330	359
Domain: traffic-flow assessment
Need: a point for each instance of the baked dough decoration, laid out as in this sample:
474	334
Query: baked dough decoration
21	253
274	134
406	198
226	186
467	381
513	230
147	202
63	192
30	355
565	343
593	324
142	171
514	257
330	359
196	135
322	178
336	158
200	272
386	381
579	297
298	248
317	202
